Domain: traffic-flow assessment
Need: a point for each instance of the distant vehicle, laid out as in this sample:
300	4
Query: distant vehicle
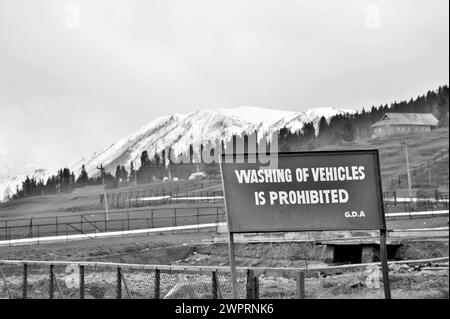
198	176
166	179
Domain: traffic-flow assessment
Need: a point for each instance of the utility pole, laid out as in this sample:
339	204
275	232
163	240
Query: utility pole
408	173
102	172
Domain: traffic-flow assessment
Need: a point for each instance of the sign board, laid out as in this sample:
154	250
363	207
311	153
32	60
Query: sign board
311	191
307	191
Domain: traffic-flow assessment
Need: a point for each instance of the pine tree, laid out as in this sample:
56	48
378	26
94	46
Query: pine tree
132	173
118	175
144	159
83	179
124	174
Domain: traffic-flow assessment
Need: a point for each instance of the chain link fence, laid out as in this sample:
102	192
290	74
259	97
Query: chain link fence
73	280
66	280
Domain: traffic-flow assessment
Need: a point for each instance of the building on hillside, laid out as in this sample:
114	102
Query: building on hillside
403	123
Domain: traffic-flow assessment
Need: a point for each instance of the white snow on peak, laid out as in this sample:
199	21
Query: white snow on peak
179	131
257	115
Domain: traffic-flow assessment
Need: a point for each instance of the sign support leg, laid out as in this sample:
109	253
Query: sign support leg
384	264
232	265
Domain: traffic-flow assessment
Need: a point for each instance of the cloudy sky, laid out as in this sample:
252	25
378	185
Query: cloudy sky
77	75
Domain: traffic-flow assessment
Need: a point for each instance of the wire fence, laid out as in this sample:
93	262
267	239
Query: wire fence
401	181
423	201
176	192
89	280
89	225
69	280
86	224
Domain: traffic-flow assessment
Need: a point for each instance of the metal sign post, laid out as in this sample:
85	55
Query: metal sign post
231	253
383	234
307	191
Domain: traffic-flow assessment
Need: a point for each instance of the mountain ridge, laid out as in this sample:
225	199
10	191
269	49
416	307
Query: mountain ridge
178	131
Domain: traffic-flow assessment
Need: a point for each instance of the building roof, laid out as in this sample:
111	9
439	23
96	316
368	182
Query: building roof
426	119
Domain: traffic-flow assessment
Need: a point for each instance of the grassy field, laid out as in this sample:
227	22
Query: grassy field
87	199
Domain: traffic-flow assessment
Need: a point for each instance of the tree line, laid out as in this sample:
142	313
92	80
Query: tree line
351	127
65	181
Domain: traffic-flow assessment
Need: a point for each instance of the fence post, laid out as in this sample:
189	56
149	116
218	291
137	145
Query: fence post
81	282
157	283
214	284
217	220
252	283
25	281
174	220
52	280
256	283
198	220
151	214
300	285
119	283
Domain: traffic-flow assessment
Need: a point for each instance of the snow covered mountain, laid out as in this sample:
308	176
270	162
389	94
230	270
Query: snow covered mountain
178	131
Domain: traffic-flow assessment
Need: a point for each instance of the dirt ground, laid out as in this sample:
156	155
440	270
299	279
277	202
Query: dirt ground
100	249
423	281
417	285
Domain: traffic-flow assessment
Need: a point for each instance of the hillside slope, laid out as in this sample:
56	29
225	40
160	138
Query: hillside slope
422	147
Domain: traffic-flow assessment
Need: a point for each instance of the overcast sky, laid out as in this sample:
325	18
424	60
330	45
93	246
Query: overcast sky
77	75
